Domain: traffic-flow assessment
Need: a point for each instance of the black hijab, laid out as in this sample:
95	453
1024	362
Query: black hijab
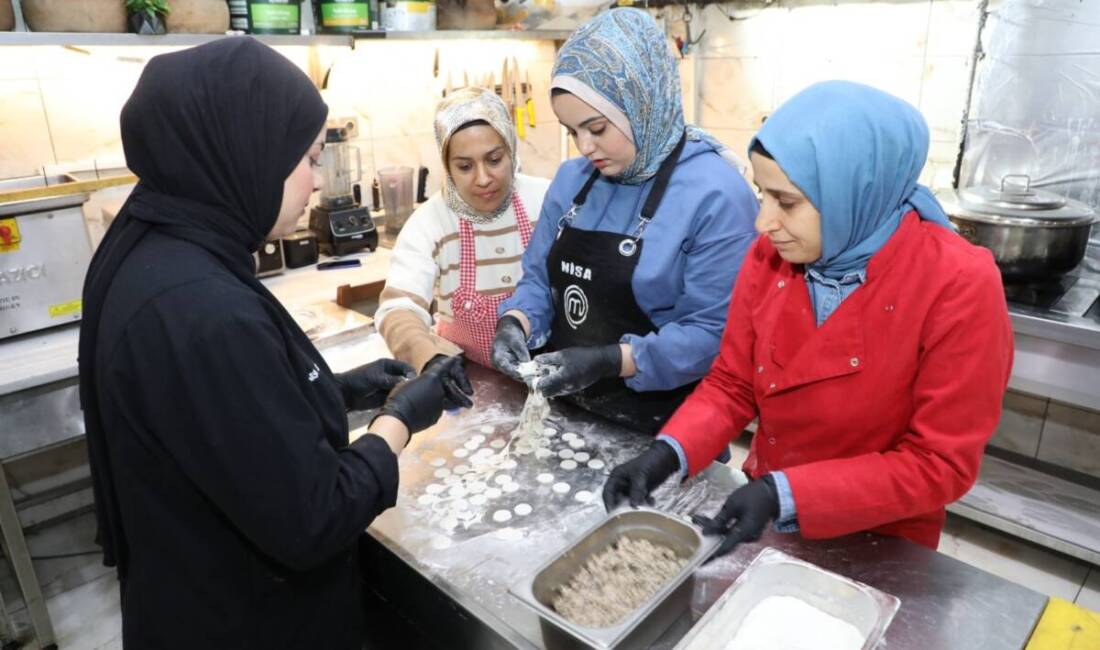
212	133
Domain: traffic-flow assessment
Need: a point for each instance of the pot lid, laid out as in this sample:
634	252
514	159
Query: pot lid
1014	198
1011	198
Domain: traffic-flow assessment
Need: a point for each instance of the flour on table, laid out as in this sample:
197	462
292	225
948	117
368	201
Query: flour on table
769	625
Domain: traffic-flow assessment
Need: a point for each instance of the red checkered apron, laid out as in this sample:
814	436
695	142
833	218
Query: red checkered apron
474	319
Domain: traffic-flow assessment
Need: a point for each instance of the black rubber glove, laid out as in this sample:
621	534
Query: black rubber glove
366	387
455	383
637	477
509	347
418	403
750	508
574	369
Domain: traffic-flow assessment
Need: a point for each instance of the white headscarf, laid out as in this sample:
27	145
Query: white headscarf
459	109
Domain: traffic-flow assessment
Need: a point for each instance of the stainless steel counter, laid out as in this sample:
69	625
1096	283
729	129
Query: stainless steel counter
449	568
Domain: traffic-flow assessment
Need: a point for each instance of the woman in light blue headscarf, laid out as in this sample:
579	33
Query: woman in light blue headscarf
871	341
628	274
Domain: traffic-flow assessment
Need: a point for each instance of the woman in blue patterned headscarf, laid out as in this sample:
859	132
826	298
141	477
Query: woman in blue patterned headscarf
627	278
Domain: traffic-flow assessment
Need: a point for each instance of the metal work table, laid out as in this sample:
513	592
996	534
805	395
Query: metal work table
454	582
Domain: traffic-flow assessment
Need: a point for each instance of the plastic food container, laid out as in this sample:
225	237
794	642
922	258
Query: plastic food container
774	573
645	624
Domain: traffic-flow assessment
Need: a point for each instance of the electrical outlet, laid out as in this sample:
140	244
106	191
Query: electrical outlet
349	123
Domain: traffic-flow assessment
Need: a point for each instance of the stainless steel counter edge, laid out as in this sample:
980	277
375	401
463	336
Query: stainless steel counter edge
1054	327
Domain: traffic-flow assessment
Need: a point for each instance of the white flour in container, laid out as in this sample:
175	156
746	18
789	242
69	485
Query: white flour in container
793	624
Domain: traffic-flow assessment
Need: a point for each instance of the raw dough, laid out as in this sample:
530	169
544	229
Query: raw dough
501	516
461	453
485	428
543	453
457	491
565	453
438	462
477	438
502	479
427	499
584	496
479	500
536	408
577	443
616	581
581	456
508	464
768	625
434	488
442	472
510	488
476	487
567	436
549	432
523	509
569	464
493	493
596	463
461	469
498	443
545	478
561	488
472	444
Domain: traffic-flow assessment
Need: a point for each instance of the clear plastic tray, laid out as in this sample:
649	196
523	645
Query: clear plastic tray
774	573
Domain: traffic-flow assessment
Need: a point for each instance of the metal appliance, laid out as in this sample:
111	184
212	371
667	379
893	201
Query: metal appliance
269	259
44	256
341	224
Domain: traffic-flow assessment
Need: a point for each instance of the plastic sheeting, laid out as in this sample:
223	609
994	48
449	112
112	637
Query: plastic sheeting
1036	103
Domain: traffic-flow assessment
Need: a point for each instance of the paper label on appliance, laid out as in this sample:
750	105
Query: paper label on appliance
9	236
66	308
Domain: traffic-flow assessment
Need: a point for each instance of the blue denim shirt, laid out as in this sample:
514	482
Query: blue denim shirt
826	294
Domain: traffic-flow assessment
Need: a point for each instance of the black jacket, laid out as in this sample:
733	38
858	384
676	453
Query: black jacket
240	500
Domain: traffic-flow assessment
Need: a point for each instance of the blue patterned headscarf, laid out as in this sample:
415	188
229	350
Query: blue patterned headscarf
623	56
856	153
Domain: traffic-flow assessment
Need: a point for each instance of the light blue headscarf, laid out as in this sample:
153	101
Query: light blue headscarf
856	153
624	57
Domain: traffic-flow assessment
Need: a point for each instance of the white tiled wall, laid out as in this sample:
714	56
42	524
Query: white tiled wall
60	107
917	50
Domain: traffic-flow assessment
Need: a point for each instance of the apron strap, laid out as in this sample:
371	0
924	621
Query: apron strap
660	182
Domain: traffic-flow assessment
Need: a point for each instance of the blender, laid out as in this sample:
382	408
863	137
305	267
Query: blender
341	224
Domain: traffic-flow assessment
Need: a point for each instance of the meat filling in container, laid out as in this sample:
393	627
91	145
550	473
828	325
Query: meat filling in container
641	627
774	573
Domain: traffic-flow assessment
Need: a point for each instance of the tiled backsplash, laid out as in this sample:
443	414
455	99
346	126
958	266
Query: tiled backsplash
1051	432
917	50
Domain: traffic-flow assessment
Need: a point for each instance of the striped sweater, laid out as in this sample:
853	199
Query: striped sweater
424	271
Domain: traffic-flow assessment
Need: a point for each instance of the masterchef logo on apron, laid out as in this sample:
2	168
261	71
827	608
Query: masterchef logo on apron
575	305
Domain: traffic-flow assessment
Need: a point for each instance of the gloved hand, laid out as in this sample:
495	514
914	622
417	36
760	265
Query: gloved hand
418	403
509	347
574	369
637	477
455	383
366	387
750	507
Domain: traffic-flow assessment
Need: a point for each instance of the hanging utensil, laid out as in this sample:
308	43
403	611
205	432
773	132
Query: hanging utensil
519	104
528	97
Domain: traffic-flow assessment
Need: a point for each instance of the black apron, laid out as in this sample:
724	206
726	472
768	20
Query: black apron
591	276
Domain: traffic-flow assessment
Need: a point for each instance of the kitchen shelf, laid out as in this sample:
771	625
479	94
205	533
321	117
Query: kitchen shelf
78	39
456	34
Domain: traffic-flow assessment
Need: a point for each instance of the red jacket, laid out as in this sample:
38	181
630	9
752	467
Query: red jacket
879	418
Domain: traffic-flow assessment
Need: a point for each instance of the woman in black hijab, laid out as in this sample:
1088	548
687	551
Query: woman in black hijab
226	490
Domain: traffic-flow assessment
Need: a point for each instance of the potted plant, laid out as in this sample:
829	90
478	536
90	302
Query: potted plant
147	16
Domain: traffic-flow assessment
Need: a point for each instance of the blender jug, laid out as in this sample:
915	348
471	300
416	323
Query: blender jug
336	169
397	196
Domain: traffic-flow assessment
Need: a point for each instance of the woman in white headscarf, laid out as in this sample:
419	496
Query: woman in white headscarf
459	255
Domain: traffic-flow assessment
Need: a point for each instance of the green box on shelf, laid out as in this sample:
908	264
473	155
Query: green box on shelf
343	15
274	17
